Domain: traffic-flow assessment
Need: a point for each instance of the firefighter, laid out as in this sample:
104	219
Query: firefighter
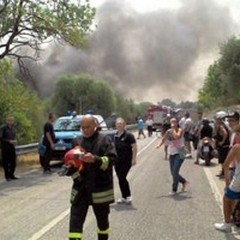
93	185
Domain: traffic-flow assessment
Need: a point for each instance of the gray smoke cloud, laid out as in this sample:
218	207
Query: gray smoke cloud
146	56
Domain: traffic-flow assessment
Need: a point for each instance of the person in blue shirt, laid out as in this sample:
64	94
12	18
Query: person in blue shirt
140	126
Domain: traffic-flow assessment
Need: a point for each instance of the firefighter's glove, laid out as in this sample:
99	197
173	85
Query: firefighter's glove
77	190
69	170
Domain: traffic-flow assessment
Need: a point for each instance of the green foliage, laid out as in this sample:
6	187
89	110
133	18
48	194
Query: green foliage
230	67
212	91
30	22
168	102
82	93
221	85
101	99
17	101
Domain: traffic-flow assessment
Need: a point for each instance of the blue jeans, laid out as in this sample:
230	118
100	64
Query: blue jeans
175	165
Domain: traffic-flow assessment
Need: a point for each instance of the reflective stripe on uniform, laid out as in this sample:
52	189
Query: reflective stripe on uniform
102	197
107	231
75	175
75	235
105	162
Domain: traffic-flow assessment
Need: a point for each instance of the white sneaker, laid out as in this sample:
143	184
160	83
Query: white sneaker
172	193
188	155
121	200
127	200
224	227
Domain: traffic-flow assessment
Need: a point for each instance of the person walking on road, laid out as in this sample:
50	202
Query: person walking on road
93	185
8	142
187	134
232	190
48	142
140	126
196	128
126	147
175	144
149	124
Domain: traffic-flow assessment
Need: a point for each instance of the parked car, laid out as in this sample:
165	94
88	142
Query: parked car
66	129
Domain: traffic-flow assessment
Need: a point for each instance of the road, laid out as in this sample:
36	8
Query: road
36	207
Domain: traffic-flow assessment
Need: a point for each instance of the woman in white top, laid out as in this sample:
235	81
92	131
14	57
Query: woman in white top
175	143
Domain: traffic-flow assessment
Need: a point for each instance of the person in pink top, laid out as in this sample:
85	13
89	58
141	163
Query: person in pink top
175	143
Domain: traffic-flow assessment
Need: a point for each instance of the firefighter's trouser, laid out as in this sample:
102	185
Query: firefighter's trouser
78	215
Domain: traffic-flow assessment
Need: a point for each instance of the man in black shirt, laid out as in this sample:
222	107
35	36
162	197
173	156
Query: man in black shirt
8	140
48	141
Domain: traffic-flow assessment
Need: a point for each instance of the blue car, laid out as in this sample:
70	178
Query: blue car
67	129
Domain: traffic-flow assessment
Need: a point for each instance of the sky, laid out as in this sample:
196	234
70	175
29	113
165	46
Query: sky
149	50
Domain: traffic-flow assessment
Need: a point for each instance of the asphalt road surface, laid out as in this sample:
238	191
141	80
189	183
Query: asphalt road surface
36	206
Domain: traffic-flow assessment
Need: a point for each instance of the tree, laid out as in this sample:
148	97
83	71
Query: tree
19	102
81	93
212	92
221	85
229	64
28	23
168	102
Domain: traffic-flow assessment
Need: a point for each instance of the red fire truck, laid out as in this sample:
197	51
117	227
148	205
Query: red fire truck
158	113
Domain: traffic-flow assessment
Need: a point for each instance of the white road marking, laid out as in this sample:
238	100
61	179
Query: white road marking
217	193
53	223
143	149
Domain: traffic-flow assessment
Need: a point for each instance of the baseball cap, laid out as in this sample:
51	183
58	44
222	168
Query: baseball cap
234	115
221	115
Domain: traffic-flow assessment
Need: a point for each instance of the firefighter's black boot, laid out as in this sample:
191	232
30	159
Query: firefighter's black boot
102	236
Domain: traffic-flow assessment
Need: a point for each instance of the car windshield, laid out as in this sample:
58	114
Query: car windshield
67	124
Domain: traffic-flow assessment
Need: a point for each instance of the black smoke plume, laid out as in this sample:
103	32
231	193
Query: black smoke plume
146	56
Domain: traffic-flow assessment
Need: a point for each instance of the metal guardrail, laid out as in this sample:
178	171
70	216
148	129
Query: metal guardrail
28	148
33	147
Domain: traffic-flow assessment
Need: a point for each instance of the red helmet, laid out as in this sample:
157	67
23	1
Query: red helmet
74	157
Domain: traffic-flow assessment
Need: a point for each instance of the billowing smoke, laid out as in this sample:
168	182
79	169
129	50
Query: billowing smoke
147	56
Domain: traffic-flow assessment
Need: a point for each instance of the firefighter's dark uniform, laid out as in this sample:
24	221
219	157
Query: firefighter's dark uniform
94	188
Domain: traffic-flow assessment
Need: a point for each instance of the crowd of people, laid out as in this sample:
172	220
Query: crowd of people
93	185
223	134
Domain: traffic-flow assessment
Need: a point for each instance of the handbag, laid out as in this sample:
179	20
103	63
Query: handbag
182	151
41	150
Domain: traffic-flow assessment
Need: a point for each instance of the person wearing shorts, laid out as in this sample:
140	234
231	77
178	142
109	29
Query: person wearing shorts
222	143
232	190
